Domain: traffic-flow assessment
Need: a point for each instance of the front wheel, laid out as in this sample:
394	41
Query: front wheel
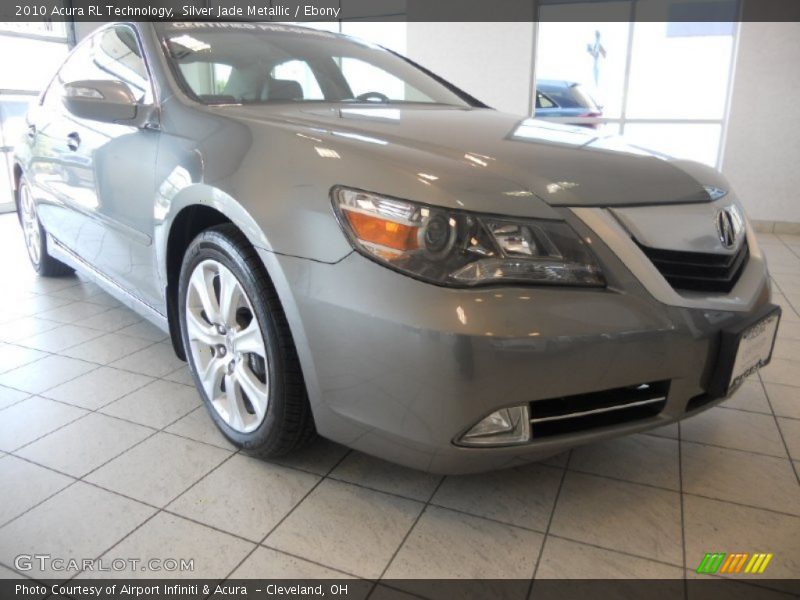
35	237
239	346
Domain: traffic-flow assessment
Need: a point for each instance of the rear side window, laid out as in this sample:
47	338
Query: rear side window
113	54
543	101
571	96
584	98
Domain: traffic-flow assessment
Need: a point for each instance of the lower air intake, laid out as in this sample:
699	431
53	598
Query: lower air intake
569	414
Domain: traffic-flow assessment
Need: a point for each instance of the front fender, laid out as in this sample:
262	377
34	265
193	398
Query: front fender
167	209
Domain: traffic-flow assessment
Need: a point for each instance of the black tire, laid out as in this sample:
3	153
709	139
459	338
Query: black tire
288	423
41	261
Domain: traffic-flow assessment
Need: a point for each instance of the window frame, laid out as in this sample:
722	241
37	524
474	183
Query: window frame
623	119
150	92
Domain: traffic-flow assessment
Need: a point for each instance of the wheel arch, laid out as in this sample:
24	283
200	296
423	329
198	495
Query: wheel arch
187	225
193	210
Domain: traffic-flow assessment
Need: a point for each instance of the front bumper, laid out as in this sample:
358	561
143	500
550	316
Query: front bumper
398	368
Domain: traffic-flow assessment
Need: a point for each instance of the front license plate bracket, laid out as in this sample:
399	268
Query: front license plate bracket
744	336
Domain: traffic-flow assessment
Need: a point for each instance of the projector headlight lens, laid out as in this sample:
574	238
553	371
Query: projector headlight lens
461	249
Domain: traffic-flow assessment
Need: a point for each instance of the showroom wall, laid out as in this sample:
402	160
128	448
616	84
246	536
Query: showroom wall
491	61
762	150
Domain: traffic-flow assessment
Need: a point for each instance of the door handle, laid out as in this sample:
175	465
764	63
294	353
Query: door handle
31	131
73	141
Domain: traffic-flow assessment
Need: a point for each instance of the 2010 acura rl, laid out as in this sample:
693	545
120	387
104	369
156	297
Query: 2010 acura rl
339	241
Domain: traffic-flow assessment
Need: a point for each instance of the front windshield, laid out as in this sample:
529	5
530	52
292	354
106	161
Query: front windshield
260	63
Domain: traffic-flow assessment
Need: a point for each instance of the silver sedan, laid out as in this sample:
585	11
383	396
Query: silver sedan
341	243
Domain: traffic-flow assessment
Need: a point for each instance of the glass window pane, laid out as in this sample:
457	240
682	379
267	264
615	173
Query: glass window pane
34	63
679	70
299	71
698	142
116	55
45	28
12	128
591	54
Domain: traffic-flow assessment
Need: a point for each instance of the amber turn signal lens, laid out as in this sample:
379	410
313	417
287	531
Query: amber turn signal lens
382	232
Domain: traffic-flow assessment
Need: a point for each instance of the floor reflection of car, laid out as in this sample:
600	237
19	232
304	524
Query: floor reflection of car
565	100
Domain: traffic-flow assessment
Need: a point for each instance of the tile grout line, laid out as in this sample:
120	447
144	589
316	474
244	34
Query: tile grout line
681	500
780	288
769	414
483	517
310	560
424	509
332	477
286	516
754	452
97	367
780	431
159	509
550	521
431	503
560	536
82	477
51	354
27	510
88	411
65	324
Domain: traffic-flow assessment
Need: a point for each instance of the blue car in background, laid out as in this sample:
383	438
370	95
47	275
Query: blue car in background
564	99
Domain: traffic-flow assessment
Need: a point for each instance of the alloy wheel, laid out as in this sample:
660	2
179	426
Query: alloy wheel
30	225
226	346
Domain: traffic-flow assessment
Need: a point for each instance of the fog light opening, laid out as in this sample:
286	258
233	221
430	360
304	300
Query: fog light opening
504	427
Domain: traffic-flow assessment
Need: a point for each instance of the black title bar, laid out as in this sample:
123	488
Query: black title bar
426	589
398	10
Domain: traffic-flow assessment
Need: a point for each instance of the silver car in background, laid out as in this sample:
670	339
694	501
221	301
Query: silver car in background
340	242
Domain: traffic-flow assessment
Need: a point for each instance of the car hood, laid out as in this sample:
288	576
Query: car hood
561	165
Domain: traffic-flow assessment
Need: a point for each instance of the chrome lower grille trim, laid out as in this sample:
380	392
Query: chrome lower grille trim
597	411
594	410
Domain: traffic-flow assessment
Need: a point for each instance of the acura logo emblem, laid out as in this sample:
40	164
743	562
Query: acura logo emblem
726	228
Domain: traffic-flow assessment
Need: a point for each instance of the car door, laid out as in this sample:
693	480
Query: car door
105	171
53	165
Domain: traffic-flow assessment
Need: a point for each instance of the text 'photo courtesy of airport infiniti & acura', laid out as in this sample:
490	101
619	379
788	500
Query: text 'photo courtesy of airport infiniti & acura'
341	243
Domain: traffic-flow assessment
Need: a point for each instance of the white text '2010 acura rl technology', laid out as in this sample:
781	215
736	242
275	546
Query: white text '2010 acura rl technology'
340	242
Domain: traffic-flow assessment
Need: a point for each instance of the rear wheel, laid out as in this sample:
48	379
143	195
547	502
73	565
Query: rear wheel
239	347
35	237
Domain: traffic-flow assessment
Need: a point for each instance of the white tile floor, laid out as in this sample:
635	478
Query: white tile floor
105	450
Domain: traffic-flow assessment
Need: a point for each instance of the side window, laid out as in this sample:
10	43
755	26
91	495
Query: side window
543	101
112	54
299	71
79	56
117	55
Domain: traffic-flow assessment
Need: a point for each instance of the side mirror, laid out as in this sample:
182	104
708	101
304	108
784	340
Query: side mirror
100	100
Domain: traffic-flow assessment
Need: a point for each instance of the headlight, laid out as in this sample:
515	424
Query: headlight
462	249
